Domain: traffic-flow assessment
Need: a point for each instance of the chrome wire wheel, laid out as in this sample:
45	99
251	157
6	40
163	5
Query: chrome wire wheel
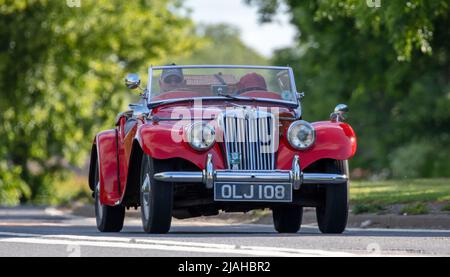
156	197
146	191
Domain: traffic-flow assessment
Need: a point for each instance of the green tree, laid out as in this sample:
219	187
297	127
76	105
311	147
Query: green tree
390	64
221	45
61	78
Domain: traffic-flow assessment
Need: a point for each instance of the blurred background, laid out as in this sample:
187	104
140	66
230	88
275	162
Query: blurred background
62	65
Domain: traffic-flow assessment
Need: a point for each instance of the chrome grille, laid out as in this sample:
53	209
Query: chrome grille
250	138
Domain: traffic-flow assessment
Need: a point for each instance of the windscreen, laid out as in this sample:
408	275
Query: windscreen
174	82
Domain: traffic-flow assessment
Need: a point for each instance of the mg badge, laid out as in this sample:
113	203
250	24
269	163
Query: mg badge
235	160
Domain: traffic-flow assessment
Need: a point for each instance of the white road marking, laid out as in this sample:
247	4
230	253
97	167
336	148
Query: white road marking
164	245
394	230
386	230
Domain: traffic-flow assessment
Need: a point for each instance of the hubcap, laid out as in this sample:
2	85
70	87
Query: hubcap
146	191
98	203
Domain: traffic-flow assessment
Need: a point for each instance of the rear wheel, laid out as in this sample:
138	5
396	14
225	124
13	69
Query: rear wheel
332	215
287	218
156	197
108	218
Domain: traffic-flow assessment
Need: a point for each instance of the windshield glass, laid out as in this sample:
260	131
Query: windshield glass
175	82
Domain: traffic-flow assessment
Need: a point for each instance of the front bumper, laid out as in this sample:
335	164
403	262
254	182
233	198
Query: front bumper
209	176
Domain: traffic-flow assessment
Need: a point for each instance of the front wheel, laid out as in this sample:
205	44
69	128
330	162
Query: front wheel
108	218
156	197
333	213
288	218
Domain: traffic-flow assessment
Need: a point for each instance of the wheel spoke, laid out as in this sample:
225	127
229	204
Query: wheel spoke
146	194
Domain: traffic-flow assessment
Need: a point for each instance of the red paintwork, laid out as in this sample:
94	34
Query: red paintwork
107	162
155	139
333	140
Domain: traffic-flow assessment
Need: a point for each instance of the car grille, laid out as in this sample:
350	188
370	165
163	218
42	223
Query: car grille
250	139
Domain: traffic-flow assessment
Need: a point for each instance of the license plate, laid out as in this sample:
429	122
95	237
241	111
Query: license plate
253	192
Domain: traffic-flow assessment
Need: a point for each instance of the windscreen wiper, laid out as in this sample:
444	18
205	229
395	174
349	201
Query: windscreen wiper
229	96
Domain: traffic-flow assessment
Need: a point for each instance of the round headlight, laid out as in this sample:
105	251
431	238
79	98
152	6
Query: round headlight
200	136
301	135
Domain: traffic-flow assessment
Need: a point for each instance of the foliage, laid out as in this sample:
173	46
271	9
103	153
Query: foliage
367	208
446	208
412	160
221	45
390	64
415	209
61	71
11	185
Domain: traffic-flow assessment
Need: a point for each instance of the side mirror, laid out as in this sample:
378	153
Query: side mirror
300	95
132	81
340	113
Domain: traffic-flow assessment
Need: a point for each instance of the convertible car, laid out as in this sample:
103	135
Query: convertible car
206	139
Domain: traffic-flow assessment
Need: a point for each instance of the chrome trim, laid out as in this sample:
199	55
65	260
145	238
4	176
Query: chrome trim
289	69
298	111
132	80
293	124
340	113
149	84
139	109
244	131
296	173
288	118
208	172
324	178
223	66
274	176
179	176
209	176
188	134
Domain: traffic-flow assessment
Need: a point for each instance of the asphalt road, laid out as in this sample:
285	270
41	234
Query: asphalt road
47	232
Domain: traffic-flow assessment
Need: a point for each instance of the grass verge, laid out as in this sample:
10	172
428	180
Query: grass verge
400	191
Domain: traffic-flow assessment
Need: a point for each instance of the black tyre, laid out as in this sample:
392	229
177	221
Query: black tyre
156	197
287	218
332	215
109	218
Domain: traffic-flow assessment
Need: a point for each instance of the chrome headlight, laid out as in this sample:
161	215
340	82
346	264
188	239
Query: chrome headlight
301	135
200	136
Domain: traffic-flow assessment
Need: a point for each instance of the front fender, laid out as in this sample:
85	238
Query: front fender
334	140
106	143
161	140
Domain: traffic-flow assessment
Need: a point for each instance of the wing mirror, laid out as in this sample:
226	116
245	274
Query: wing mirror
300	95
340	113
132	81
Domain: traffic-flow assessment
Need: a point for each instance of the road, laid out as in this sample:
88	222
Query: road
48	232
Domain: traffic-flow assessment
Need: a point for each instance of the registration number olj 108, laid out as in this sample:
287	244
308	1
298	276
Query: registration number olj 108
253	192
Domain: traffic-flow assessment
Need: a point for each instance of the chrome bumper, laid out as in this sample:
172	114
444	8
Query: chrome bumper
209	176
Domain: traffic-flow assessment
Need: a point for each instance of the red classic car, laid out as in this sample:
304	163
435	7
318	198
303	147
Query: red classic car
205	139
